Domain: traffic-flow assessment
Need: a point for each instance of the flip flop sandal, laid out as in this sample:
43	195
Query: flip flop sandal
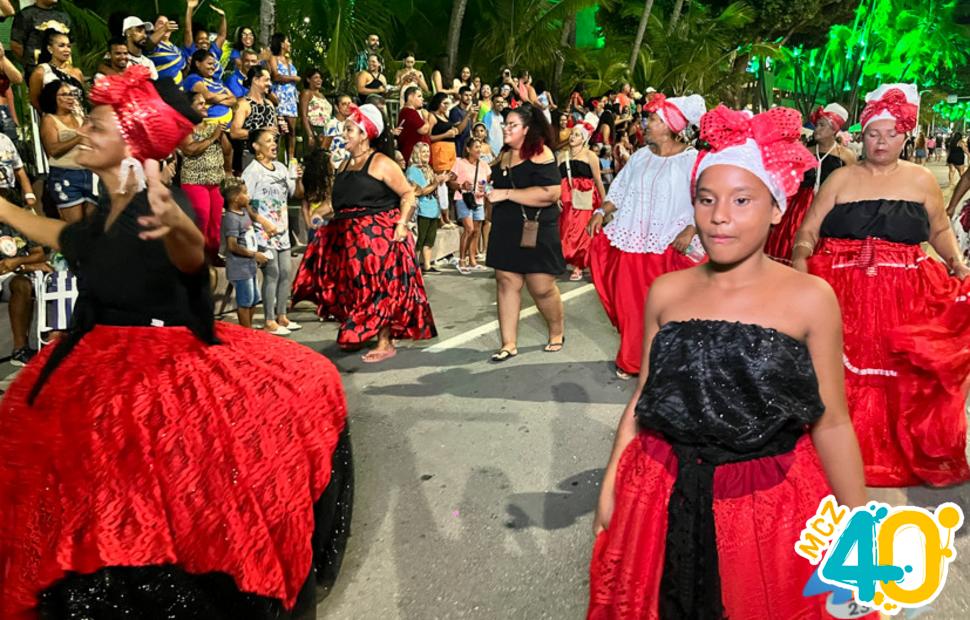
503	355
374	357
575	277
555	347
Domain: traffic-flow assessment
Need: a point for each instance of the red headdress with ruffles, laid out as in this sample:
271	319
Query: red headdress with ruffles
893	101
767	145
672	115
151	128
833	112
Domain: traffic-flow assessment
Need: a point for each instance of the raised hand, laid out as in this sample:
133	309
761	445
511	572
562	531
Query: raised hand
166	213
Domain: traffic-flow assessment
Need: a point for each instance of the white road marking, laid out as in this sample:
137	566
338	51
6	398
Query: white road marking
492	326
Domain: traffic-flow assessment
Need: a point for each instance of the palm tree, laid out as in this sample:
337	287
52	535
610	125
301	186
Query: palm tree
454	34
675	14
641	29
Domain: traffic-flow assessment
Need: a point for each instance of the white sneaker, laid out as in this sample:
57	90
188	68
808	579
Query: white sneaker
293	326
280	331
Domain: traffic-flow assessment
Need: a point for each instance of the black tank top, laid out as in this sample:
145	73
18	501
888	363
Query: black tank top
578	168
900	221
356	193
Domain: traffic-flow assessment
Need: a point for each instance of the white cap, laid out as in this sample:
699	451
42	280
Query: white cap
692	107
134	22
748	157
841	112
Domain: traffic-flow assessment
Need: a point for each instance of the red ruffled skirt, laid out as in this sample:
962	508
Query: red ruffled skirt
148	447
760	509
781	239
622	280
906	357
356	273
572	222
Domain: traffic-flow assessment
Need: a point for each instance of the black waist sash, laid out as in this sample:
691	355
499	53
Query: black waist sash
690	588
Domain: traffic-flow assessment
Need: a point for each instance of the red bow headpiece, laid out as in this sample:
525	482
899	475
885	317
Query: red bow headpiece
892	104
774	154
151	128
668	112
836	120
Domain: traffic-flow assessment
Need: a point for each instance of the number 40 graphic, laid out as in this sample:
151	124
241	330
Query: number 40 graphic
893	557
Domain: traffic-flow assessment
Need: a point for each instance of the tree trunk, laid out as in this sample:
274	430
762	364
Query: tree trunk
675	15
267	20
564	41
454	34
638	42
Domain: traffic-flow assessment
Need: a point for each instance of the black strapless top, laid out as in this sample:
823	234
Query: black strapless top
356	194
829	165
719	392
579	169
900	221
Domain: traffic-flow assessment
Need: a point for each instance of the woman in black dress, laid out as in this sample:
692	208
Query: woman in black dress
526	192
956	157
156	463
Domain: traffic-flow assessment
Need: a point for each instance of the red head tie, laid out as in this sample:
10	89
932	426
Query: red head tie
895	103
669	113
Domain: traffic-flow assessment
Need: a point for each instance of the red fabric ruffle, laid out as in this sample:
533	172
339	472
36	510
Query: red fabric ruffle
781	239
356	273
148	447
572	222
760	508
622	280
906	402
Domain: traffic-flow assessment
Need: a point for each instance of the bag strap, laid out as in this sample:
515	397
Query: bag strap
569	169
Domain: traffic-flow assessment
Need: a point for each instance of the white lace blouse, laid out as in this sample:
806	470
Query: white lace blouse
652	197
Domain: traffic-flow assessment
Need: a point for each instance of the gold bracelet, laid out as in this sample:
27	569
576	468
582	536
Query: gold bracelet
805	244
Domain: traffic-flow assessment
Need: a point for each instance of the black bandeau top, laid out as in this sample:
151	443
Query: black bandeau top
733	390
900	221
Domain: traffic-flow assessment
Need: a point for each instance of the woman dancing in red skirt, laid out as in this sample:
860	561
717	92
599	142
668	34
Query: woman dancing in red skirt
863	233
360	269
582	193
830	156
653	226
739	426
155	463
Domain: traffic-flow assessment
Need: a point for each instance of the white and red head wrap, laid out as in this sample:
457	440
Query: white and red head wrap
585	128
677	113
368	118
899	102
766	145
835	114
151	128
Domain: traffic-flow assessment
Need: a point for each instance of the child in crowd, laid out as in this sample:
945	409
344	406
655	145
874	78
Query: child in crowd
239	246
317	187
606	166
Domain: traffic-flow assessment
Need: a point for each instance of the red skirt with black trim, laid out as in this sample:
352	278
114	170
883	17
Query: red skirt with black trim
760	509
622	280
356	274
906	325
781	239
147	447
573	222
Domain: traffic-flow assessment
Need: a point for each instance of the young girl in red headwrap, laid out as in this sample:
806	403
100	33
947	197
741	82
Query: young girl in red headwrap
906	319
155	463
739	426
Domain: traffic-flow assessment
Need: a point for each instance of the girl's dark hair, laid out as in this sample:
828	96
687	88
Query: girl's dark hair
48	96
309	73
540	86
538	131
49	34
253	73
436	101
197	57
254	136
276	43
954	141
239	45
317	176
579	88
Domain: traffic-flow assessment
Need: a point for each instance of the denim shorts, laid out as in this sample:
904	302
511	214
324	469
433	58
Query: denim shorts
477	214
247	293
70	187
